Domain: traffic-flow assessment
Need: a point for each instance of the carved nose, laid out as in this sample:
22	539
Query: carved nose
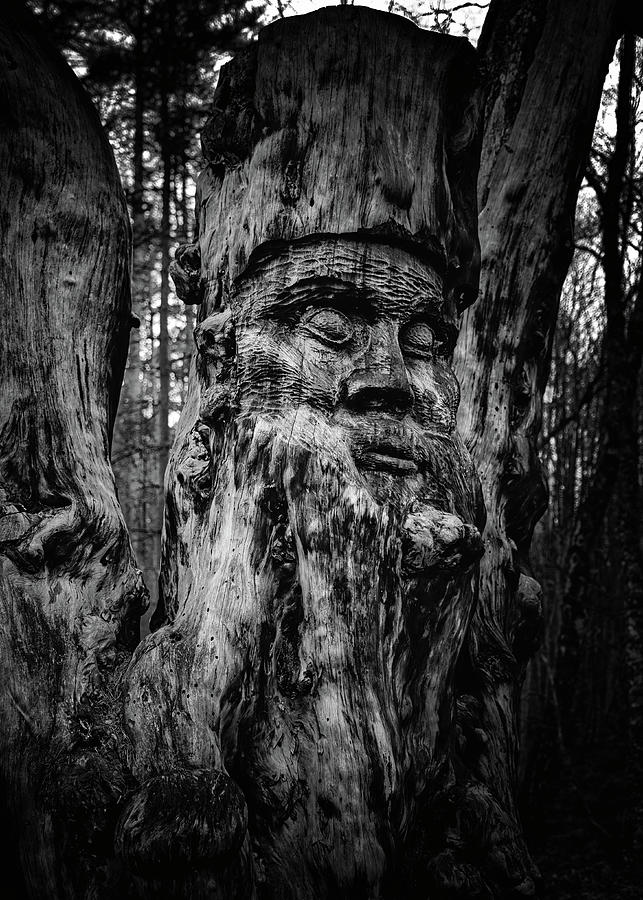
380	381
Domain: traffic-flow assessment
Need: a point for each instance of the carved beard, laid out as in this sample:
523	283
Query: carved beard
325	639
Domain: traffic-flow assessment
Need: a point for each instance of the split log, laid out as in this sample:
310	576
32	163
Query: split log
71	596
322	514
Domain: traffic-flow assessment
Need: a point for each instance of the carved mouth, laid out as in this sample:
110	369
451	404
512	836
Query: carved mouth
387	456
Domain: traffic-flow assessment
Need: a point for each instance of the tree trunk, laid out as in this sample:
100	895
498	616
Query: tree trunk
545	65
322	517
129	450
164	364
71	594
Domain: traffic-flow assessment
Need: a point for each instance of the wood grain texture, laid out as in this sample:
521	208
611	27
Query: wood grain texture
70	592
323	517
545	65
318	127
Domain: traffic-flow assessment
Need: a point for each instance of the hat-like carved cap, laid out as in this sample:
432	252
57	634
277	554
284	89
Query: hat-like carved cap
344	121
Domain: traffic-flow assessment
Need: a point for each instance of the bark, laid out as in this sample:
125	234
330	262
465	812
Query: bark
545	65
322	517
71	594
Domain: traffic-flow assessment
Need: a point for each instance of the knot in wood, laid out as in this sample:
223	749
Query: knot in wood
436	541
185	272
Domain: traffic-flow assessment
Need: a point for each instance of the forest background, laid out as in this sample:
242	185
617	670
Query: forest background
151	68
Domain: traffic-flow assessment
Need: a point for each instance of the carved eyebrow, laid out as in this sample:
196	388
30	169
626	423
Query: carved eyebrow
348	297
324	290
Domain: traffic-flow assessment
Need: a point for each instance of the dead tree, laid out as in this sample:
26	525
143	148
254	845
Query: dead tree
70	594
322	516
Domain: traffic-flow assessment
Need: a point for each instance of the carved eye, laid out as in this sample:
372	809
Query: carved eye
418	340
329	325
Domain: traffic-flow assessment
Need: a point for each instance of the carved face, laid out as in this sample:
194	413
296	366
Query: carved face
337	589
348	344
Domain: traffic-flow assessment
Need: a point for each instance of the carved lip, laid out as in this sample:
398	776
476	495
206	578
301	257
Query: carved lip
390	455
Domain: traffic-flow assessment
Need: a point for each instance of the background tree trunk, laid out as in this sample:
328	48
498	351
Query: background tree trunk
130	449
71	594
545	66
164	356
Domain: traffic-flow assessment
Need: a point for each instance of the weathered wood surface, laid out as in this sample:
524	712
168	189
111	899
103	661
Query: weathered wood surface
70	595
545	65
323	517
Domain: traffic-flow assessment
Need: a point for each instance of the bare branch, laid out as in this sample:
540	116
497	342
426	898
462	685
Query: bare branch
594	181
588	395
585	248
467	5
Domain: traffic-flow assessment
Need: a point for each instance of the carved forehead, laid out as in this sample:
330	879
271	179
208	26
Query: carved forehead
390	279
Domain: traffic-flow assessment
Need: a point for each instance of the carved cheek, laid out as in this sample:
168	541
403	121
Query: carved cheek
278	372
437	394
